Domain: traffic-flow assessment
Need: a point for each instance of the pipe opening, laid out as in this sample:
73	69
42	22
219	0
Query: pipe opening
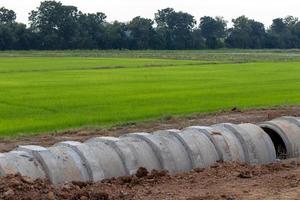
280	147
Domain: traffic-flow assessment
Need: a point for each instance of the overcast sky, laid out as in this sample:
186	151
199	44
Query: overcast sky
124	10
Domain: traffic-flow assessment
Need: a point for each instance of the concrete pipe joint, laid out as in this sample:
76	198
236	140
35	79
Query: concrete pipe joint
169	151
199	147
60	163
285	135
100	160
226	143
20	162
254	145
142	152
243	143
75	161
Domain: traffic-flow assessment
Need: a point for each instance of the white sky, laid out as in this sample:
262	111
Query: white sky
124	10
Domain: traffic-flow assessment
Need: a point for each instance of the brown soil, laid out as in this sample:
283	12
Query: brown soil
228	181
234	116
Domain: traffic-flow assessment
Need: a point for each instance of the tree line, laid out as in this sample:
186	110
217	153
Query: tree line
54	26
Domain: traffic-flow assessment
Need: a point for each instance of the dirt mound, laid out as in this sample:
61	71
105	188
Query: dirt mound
222	181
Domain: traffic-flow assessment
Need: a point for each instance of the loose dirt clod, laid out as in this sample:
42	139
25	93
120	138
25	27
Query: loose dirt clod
246	174
142	172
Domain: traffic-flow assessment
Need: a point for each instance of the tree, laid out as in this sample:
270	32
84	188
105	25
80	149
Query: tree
284	33
296	32
213	30
56	23
57	26
141	32
292	37
246	33
7	16
116	36
13	35
175	28
198	42
91	30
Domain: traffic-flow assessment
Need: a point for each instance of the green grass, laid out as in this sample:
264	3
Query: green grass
29	64
47	94
224	55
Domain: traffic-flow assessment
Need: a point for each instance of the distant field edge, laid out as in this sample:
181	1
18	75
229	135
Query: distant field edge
221	55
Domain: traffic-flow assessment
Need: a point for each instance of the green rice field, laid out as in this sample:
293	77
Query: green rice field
43	93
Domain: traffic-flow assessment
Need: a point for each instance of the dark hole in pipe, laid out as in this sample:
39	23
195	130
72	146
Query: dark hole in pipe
280	148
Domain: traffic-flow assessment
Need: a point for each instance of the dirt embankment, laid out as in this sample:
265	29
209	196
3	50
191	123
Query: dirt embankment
234	116
227	181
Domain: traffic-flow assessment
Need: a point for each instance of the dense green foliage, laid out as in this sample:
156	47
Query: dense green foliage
41	94
55	26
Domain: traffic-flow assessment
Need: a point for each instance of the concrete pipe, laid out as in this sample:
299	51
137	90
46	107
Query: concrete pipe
260	143
248	147
142	152
294	120
201	151
285	135
227	144
100	160
128	158
20	162
170	152
255	150
60	163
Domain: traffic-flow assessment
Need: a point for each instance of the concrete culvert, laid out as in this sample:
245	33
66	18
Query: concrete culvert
228	143
172	148
169	151
100	160
285	135
200	149
256	145
60	163
260	143
177	148
20	162
143	154
207	131
127	156
295	120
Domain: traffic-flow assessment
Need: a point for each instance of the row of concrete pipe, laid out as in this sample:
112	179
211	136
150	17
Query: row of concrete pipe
173	150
